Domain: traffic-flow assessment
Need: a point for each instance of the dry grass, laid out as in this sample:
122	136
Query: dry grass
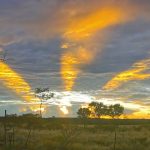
71	136
129	137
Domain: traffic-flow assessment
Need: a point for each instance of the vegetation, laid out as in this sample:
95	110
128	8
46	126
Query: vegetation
32	132
98	110
35	133
83	113
43	94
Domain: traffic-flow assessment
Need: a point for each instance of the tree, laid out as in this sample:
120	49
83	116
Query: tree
43	94
83	113
98	109
40	90
115	110
92	107
101	110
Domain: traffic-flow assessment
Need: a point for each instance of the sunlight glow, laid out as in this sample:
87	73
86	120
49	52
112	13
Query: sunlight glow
64	110
78	36
82	28
135	73
70	63
16	83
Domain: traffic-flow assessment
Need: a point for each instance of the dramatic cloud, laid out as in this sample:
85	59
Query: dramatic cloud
16	83
74	46
135	73
79	36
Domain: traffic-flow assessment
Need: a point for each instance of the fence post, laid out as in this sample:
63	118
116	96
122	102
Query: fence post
115	139
5	129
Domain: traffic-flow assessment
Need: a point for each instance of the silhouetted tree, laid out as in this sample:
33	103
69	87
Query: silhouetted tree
101	110
98	109
43	94
115	110
83	113
92	107
40	90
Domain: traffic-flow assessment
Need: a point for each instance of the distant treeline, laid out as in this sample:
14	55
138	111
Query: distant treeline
35	121
98	110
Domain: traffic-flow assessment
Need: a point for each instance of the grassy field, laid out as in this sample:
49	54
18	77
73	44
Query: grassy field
76	134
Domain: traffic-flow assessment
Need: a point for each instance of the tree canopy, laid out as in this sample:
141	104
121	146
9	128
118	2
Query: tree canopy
83	113
97	110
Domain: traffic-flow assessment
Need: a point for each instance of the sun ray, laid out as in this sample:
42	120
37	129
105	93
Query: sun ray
135	73
79	32
15	82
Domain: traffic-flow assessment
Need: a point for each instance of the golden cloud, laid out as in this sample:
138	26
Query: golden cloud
15	82
136	72
78	37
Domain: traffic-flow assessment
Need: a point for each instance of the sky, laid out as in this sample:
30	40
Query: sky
82	50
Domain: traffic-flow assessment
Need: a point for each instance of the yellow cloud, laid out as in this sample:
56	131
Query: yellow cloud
139	115
70	63
134	73
78	36
17	84
100	19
